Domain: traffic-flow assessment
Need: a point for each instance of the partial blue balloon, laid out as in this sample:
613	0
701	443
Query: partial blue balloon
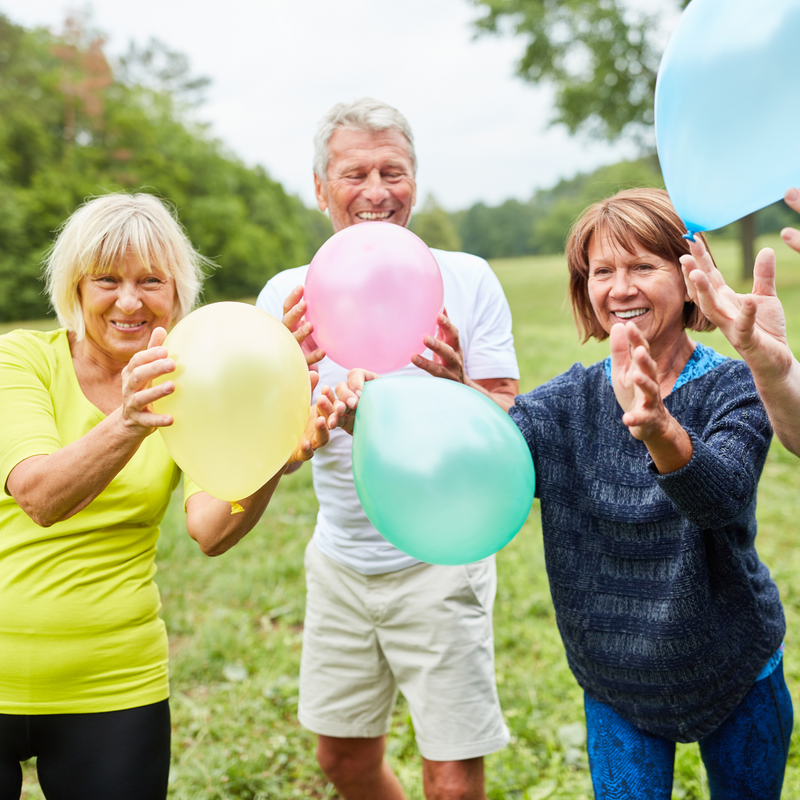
727	110
441	471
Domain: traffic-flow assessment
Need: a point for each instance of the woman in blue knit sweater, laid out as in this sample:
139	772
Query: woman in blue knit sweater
647	467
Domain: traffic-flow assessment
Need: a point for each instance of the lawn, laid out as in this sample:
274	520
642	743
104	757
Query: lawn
235	622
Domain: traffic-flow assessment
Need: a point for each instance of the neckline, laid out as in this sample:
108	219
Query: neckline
73	376
702	360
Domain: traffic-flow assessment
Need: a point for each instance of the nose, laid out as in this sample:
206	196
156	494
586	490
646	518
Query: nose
128	300
375	189
623	285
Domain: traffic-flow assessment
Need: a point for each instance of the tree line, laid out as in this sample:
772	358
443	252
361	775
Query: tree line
72	126
540	225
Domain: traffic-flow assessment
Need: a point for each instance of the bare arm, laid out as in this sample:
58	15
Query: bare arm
448	363
51	488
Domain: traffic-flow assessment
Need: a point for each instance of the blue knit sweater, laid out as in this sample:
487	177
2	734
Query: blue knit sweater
666	612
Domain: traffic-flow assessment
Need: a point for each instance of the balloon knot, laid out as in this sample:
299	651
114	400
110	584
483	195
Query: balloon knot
236	508
688	235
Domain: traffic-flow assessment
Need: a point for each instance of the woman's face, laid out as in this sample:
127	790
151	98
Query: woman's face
122	307
638	287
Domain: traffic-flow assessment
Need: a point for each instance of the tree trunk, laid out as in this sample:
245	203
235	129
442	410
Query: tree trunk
747	236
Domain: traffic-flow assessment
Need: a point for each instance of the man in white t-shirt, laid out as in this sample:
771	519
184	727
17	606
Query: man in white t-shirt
377	619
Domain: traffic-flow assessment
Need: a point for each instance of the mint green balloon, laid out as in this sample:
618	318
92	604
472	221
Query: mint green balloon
441	470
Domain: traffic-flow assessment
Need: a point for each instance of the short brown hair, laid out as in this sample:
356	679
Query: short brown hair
634	216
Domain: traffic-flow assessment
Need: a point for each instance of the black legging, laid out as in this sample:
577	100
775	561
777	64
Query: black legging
122	755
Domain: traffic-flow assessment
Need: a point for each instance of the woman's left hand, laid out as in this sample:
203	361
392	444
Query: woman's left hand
321	419
634	375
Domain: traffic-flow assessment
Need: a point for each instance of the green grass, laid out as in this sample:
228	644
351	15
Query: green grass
235	622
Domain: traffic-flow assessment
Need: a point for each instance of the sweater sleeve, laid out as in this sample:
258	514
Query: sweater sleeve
719	483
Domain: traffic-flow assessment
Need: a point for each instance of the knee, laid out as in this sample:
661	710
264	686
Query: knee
342	760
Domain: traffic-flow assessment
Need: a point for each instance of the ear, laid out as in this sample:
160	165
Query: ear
322	196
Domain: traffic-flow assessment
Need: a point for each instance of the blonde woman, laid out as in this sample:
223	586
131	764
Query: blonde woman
83	684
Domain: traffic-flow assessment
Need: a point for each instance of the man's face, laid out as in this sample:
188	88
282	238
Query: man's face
370	177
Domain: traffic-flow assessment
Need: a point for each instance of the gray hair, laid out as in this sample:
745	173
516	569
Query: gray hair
101	232
364	114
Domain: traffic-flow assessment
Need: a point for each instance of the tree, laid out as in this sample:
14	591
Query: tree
71	129
601	57
434	226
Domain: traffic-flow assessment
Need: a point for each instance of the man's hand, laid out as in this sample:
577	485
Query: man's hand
448	363
294	309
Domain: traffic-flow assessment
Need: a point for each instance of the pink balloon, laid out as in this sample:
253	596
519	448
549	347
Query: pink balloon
374	291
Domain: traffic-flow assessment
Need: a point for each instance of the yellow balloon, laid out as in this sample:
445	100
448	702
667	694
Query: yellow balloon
241	399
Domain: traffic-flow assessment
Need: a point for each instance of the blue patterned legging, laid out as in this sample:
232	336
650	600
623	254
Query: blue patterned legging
745	757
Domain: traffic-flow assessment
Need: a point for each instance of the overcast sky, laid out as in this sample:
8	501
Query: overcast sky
277	65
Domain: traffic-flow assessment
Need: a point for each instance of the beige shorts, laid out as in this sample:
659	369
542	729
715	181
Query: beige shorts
425	630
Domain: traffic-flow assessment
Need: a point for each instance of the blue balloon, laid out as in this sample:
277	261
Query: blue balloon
726	109
441	471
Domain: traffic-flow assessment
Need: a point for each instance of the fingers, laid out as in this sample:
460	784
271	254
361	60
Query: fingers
792	199
791	235
290	305
157	337
313	378
764	273
745	320
620	346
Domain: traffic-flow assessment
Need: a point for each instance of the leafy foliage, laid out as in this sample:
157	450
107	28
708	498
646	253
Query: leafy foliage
71	129
434	226
599	55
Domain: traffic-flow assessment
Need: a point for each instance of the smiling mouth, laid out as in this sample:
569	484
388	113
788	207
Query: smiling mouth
630	314
127	326
374	216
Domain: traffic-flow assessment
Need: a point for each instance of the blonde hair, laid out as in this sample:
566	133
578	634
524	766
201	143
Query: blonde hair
99	235
634	216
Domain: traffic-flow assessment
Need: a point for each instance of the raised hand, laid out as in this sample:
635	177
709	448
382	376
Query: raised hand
754	323
349	393
317	431
294	309
791	235
138	394
448	359
634	375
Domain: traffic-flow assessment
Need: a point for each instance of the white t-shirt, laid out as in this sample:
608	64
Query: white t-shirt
478	308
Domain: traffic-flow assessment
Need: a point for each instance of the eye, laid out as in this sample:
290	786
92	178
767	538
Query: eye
644	267
600	272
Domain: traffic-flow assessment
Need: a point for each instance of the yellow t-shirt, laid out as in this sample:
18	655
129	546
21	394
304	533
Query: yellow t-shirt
79	624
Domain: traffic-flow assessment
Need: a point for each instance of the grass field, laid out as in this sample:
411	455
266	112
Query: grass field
235	622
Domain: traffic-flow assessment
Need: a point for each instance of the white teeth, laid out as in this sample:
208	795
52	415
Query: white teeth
371	216
636	312
127	324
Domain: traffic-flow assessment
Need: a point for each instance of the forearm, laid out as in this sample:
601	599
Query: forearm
51	488
212	525
502	391
670	450
781	398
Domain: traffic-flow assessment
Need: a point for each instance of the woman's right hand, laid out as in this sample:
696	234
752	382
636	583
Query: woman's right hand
349	392
137	392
